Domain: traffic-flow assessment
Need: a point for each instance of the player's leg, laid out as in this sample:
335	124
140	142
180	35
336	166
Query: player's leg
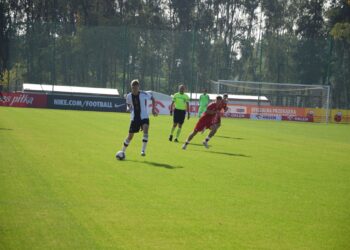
172	131
145	128
212	132
134	128
178	132
127	141
181	120
214	129
190	137
199	127
175	124
216	123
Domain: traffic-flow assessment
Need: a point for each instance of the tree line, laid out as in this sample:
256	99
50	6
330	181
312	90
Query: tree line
106	43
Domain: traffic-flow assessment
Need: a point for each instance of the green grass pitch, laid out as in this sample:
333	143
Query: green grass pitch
261	184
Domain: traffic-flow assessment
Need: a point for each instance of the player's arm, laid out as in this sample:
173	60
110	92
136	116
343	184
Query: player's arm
128	104
154	112
171	107
188	110
128	107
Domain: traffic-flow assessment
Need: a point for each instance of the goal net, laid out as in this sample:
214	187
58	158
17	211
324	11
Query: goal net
275	101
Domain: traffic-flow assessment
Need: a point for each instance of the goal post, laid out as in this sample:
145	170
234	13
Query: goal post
276	101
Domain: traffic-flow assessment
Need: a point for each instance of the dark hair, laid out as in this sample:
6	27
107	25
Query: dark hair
219	97
225	95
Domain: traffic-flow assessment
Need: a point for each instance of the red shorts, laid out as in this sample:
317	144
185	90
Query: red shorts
204	122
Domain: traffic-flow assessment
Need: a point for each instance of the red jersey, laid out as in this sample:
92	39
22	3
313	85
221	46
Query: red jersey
212	107
206	119
222	106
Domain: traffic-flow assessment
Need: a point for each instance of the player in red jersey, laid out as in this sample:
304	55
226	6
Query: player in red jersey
206	121
217	119
216	122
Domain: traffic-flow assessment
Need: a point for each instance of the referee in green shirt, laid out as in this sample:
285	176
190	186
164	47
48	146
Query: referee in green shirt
181	103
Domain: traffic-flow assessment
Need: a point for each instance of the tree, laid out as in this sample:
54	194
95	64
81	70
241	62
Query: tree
4	38
311	53
339	75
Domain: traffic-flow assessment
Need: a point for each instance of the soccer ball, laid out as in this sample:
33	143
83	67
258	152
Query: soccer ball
120	155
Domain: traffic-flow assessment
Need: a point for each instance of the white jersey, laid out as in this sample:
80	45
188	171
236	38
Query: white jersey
143	98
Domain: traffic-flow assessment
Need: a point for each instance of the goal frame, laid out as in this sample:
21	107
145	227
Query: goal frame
326	88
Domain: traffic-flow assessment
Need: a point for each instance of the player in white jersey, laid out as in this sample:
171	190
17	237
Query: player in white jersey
137	104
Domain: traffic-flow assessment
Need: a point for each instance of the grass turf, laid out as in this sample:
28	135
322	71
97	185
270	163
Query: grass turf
261	185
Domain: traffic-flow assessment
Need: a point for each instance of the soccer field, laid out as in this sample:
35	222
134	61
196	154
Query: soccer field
261	184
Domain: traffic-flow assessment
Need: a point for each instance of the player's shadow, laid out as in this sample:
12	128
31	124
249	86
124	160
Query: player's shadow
229	137
198	145
228	154
160	165
224	153
8	129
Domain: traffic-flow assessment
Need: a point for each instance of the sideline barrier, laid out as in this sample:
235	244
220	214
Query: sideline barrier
91	103
18	99
71	102
118	104
340	116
